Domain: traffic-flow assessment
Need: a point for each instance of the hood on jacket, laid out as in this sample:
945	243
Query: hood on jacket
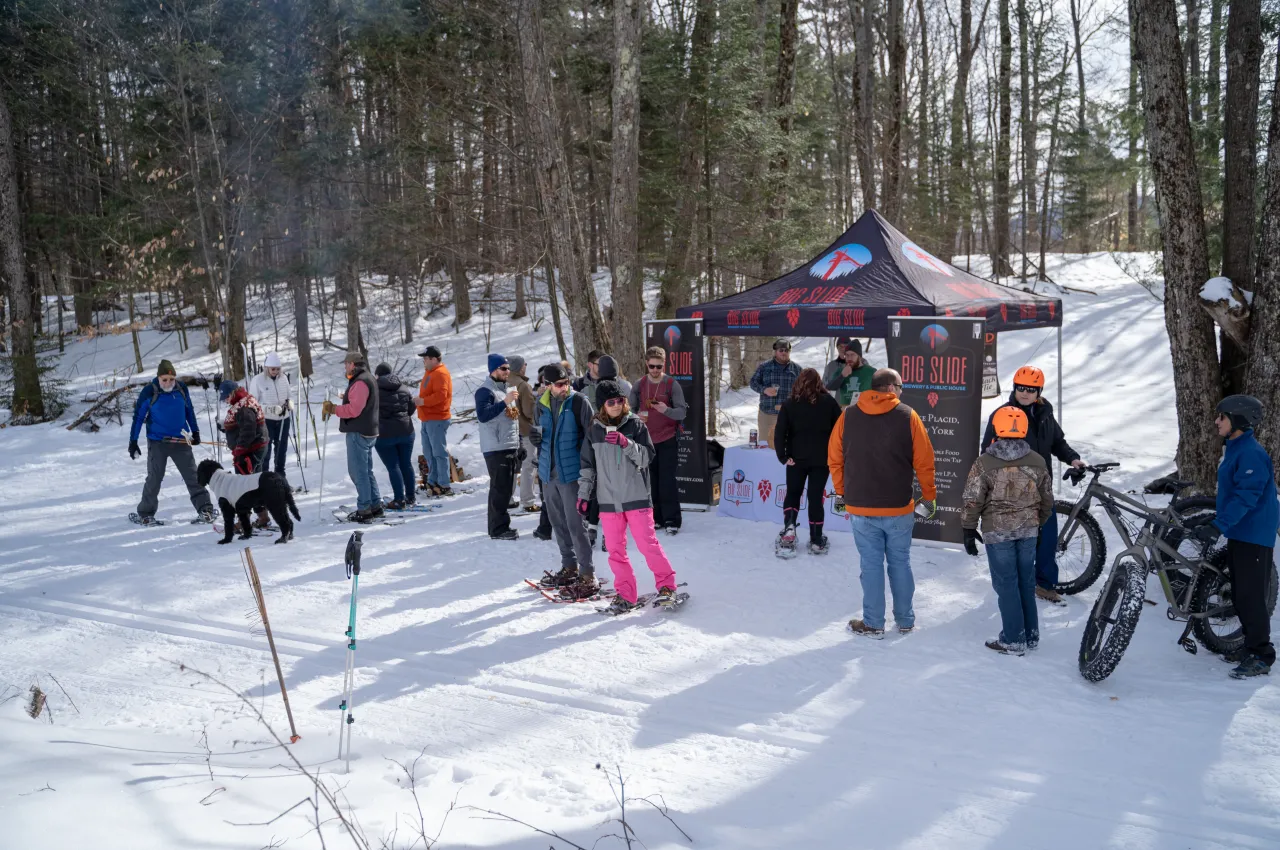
1009	449
875	403
389	383
1041	404
608	368
236	395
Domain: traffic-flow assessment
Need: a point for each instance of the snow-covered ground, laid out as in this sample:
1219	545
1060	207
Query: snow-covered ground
751	713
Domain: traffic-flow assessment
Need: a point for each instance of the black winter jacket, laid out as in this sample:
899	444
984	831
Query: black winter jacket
804	429
1045	438
396	406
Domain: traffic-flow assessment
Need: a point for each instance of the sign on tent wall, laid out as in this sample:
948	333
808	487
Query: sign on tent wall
939	360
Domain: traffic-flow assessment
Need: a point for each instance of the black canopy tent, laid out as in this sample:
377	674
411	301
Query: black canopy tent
872	272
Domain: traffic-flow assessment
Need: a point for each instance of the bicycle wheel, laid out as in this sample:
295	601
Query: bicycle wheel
1112	621
1081	550
1221	632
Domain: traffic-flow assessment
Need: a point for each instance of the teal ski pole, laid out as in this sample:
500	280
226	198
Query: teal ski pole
348	684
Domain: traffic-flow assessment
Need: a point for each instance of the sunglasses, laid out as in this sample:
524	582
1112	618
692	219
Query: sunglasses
614	402
503	369
653	366
1022	389
561	384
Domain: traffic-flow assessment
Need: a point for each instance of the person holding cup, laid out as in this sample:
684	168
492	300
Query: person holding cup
773	379
500	443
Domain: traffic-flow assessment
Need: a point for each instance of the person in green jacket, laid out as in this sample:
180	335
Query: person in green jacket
854	378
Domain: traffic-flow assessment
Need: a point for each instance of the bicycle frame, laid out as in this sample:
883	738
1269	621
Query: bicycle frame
1145	547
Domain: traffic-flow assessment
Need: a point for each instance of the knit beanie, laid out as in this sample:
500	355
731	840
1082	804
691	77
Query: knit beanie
856	347
496	361
553	372
606	390
383	369
226	388
517	362
166	368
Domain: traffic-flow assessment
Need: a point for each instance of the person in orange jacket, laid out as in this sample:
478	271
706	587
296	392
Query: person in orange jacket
435	403
878	444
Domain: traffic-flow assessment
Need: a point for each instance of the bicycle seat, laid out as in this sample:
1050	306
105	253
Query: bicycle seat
1102	467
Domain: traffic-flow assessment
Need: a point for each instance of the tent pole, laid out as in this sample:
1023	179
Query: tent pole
1060	413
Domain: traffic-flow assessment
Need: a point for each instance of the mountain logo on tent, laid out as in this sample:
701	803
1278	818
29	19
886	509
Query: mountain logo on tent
935	338
923	258
672	337
844	260
793	317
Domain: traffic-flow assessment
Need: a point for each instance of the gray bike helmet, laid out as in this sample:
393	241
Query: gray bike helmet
1244	411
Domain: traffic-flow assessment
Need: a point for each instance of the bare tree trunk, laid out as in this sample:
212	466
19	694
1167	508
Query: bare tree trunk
924	178
891	166
676	270
1186	257
1026	120
1049	163
27	395
1133	227
522	308
1263	374
1079	42
1000	194
1213	87
627	286
1240	157
1192	50
567	245
958	194
864	109
784	87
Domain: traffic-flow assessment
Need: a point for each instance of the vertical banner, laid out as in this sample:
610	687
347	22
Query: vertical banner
940	362
683	341
990	377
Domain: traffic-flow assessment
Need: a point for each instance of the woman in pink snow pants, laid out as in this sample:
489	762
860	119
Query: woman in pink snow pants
615	466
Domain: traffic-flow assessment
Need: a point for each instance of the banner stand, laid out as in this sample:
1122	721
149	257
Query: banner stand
686	363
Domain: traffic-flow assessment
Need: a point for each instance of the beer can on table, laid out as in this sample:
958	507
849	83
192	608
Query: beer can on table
753	438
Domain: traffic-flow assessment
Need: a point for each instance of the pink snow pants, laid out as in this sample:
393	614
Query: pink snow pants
615	537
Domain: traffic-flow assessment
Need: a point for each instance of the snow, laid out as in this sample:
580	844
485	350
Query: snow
753	713
1221	289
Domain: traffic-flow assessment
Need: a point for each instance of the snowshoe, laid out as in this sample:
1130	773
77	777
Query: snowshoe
206	515
586	587
614	610
565	577
532	509
346	513
145	520
785	546
668	600
820	546
672	530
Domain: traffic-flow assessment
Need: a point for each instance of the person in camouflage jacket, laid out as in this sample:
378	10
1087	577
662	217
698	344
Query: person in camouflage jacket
1009	489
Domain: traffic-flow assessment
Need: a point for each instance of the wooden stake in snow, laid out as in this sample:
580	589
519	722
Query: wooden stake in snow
251	573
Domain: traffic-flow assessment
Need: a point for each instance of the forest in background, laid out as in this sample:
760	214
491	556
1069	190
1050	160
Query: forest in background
204	150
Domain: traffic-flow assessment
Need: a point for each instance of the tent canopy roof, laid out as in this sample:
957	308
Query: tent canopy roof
870	273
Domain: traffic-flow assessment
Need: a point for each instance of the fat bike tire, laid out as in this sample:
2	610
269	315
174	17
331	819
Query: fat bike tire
1091	549
1112	621
1222	632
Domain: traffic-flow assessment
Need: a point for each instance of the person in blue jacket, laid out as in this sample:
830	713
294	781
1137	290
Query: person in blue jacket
1248	515
172	429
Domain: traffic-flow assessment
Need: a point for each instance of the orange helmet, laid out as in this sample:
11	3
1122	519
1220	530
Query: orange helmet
1010	423
1029	376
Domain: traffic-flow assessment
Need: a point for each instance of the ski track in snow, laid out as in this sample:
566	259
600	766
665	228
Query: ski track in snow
752	711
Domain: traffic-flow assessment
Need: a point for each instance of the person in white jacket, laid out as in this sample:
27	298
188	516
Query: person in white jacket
271	388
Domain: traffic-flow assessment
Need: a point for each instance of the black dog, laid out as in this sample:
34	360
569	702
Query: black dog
239	494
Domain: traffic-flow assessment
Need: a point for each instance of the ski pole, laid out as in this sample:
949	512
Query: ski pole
320	499
348	682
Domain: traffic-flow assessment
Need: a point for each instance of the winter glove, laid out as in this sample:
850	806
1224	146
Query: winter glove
971	540
195	439
535	437
522	455
926	508
1207	534
583	506
837	504
616	438
134	451
326	409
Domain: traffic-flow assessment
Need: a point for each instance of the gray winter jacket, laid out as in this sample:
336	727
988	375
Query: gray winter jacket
498	431
618	477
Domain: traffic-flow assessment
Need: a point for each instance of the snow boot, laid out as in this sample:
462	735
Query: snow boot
509	534
207	515
1006	648
620	606
541	535
1236	656
564	578
395	505
819	545
1049	595
785	546
858	627
1250	667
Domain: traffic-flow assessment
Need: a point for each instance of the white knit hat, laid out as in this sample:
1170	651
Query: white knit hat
272	361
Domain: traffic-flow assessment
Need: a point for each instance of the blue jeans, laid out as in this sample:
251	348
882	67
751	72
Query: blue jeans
397	457
880	539
437	451
360	468
1013	576
1046	553
278	443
